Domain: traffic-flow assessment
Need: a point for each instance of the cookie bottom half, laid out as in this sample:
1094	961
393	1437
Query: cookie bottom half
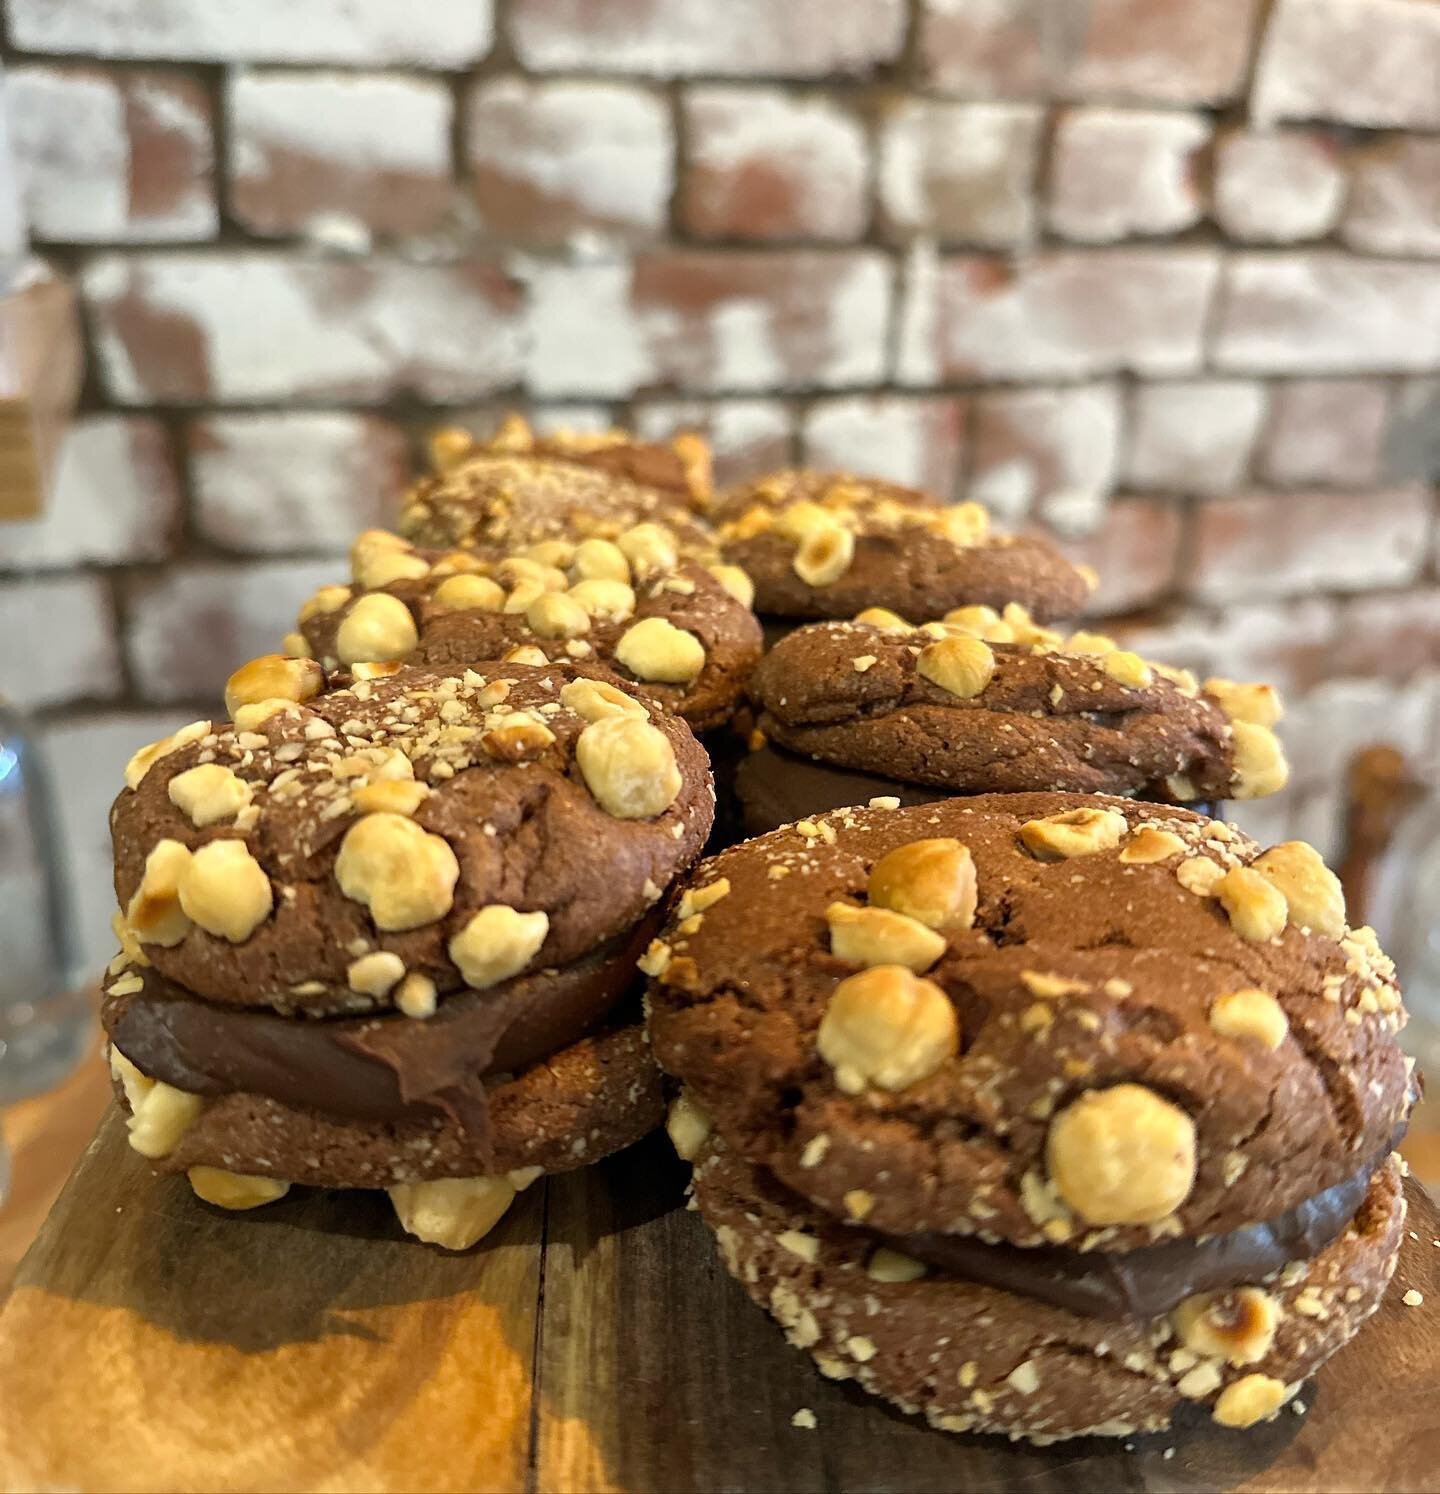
972	1358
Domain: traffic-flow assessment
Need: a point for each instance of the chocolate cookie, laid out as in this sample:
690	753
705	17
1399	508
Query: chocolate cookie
820	545
973	1357
517	489
1033	1019
460	829
978	704
683	630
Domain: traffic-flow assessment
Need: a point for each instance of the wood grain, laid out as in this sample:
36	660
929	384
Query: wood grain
593	1343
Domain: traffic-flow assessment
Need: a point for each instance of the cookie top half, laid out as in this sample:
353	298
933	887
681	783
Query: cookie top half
461	828
982	702
820	545
495	496
1033	1018
632	604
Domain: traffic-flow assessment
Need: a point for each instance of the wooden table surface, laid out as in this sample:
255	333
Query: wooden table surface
591	1343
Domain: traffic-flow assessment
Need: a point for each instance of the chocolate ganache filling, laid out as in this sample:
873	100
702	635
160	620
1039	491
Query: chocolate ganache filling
376	1068
1146	1282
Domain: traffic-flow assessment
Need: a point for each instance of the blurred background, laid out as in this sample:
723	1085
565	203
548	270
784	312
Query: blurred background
1162	277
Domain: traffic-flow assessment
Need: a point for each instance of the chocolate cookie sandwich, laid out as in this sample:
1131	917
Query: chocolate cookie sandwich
516	489
683	630
384	935
1039	1114
984	703
821	545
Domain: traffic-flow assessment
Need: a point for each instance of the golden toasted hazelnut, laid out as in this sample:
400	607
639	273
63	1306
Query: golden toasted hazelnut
1256	907
1122	1155
654	649
1090	643
296	646
649	548
225	891
516	572
1312	892
273	677
963	523
1259	762
370	545
452	1212
884	619
416	996
526	653
517	739
629	767
1149	845
253	717
377	626
388	567
458	563
327	599
1026	630
234	1190
556	553
1199	875
612	600
403	874
376	973
496	943
1238	1326
162	1118
801	519
518	602
375	669
1250	1399
133	1083
599	560
209	793
556	615
391	796
146	758
1129	669
889	1265
1252	1014
467	593
595	701
887	1026
1260	705
961	666
513	435
736	581
154	914
930	880
687	1125
1074	832
879	936
448	446
824	555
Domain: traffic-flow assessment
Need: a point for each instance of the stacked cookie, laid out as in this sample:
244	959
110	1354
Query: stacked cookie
382	932
1039	1114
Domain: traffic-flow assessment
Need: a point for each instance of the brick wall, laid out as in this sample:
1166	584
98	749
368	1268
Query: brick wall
1164	277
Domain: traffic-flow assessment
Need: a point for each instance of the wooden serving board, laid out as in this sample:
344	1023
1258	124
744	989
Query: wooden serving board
592	1342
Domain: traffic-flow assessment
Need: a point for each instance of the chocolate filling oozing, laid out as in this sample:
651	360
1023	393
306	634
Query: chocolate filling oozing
776	787
1149	1281
375	1068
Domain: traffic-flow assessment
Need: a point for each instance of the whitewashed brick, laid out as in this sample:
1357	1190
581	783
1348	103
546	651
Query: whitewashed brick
1325	728
1325	312
112	157
746	435
57	642
1118	173
1047	451
1278	186
550	160
375	32
719	322
1360	62
245	326
1394	205
1194	436
960	173
190	628
679	38
1055	314
1279	545
1326	433
115	498
272	483
307	149
1412	444
1135	550
85	755
764	164
916	441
